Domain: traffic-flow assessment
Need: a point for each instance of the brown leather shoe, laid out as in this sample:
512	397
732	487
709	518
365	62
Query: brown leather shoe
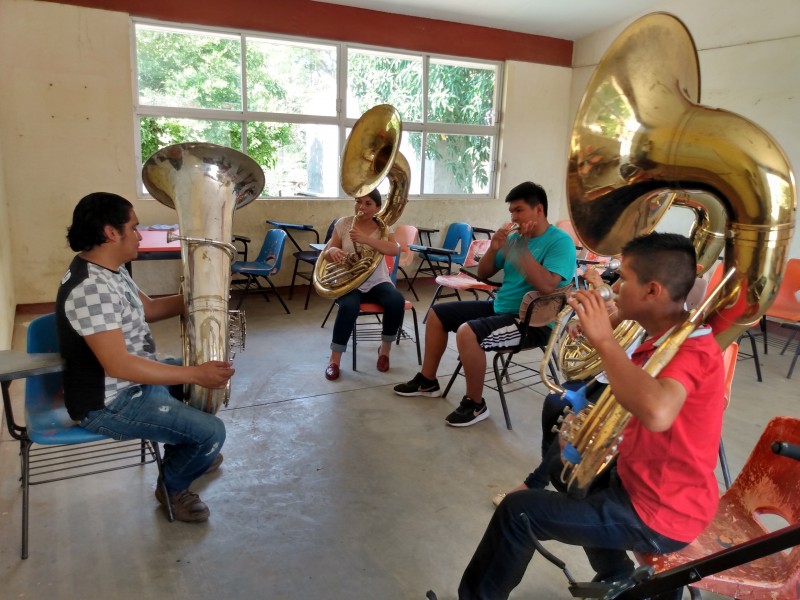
383	363
186	506
332	372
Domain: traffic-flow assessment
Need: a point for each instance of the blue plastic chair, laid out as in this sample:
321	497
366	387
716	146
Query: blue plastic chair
453	251
70	451
308	257
267	264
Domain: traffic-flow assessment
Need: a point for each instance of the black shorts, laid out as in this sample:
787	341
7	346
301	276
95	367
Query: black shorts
493	331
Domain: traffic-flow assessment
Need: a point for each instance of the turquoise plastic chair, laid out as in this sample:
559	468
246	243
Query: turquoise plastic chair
267	264
456	243
68	451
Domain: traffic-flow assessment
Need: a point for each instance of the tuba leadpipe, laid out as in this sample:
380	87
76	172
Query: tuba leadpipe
205	184
641	144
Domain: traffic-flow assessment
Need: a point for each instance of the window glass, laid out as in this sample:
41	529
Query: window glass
189	70
158	132
305	162
289	108
383	78
459	93
457	164
292	78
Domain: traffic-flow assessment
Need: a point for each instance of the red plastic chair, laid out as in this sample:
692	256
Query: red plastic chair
369	331
713	281
729	356
767	485
461	282
406	235
786	307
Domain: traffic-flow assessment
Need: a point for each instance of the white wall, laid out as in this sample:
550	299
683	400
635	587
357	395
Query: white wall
66	112
748	54
534	140
7	299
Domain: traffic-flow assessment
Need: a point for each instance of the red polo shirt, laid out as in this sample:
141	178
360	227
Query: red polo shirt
669	476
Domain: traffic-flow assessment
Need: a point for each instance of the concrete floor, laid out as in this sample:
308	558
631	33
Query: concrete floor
329	490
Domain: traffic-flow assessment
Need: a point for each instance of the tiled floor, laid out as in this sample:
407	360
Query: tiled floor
329	490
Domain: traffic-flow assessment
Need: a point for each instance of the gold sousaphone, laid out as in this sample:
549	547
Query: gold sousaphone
642	144
371	154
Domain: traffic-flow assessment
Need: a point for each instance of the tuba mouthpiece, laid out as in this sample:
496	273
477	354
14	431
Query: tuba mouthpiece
606	293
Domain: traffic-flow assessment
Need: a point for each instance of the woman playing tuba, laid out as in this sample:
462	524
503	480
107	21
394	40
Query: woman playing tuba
354	239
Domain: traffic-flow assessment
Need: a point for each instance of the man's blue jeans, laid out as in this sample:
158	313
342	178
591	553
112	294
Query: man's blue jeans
604	523
192	438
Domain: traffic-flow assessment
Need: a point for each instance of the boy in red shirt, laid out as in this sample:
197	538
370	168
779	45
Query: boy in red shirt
662	491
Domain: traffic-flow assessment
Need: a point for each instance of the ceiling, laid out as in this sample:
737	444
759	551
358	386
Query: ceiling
563	19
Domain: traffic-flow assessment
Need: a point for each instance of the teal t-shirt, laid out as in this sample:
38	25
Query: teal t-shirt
554	250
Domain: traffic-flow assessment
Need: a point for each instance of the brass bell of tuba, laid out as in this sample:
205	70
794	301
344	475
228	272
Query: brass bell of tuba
642	144
205	183
371	154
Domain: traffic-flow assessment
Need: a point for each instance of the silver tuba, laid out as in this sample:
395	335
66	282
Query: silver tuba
205	183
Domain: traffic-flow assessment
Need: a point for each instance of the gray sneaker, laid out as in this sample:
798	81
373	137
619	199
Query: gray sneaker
419	386
468	413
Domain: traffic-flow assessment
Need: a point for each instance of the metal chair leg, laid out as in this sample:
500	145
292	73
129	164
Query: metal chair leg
498	376
723	463
294	276
754	347
794	362
330	310
355	343
25	450
436	296
416	338
452	379
308	295
410	286
161	483
277	295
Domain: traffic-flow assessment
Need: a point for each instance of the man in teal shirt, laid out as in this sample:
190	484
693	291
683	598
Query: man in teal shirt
535	257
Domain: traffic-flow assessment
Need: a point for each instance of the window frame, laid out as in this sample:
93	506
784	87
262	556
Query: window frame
340	119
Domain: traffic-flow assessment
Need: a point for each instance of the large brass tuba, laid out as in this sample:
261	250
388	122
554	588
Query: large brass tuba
371	154
641	144
205	183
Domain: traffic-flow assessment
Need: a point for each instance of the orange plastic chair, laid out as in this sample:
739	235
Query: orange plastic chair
729	356
566	225
406	235
767	485
713	281
786	307
461	282
369	331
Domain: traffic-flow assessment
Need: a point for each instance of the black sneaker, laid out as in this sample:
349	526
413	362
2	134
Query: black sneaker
419	386
468	413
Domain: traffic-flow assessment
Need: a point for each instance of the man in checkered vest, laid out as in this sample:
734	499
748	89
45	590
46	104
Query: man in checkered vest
113	382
